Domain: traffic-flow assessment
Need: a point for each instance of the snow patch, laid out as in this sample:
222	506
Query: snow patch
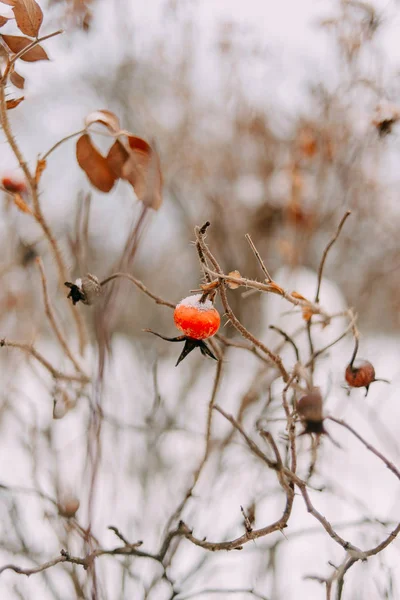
195	302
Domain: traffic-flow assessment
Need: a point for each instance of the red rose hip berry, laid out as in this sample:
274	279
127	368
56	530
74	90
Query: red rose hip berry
198	320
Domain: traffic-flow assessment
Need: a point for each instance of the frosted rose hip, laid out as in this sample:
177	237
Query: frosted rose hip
197	320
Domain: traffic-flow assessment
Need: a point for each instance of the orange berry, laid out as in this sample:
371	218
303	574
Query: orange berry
198	320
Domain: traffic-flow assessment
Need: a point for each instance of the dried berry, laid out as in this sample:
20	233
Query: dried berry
68	507
309	409
86	290
360	373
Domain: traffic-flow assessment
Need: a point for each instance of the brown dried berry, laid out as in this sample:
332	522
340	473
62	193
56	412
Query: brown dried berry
309	409
86	290
360	374
68	507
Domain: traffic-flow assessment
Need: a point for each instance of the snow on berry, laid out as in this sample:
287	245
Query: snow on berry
198	320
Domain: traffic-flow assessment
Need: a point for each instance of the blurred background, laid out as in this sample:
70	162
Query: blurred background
270	119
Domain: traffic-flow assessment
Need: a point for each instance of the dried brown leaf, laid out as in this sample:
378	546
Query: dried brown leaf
231	285
21	204
117	157
105	117
3	21
16	43
275	288
40	167
94	164
307	313
29	16
143	171
14	102
298	296
17	80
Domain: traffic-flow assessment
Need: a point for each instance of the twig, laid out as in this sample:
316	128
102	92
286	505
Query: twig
271	288
60	142
258	257
183	596
38	215
53	322
25	50
387	462
33	352
288	339
329	246
232	317
140	285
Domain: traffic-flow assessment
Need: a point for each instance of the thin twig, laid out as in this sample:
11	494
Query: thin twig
258	257
140	285
38	215
325	254
33	352
53	322
60	142
369	446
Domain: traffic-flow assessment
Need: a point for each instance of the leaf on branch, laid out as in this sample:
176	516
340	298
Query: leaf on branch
231	284
117	157
307	313
275	288
298	296
16	43
94	164
143	171
105	117
40	167
29	16
14	102
21	204
17	80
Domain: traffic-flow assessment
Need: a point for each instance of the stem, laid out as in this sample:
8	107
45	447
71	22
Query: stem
38	215
325	254
60	142
25	50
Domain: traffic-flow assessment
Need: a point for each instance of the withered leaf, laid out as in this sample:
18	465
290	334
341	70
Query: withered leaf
40	167
16	43
275	288
117	157
105	117
29	16
143	171
231	284
21	204
3	21
14	102
298	296
94	164
17	80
